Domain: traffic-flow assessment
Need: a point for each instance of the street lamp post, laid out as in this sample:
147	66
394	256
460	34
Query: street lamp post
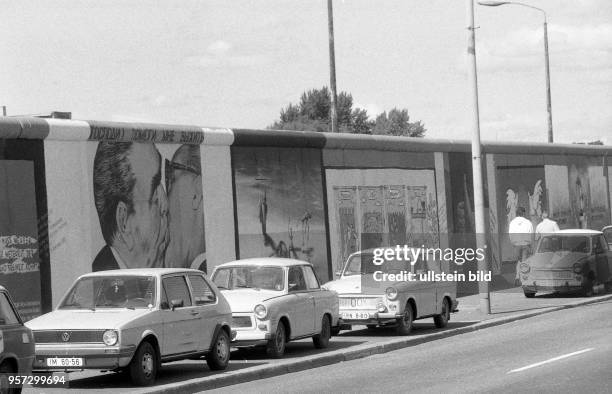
548	100
479	214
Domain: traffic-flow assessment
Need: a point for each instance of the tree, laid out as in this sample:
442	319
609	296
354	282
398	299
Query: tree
312	114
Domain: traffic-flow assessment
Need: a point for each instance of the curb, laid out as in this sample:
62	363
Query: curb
361	351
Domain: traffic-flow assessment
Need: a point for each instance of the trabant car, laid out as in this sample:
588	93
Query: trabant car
396	303
133	320
567	261
16	345
607	232
276	300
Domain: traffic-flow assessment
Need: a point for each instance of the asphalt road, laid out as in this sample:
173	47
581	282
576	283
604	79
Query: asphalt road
567	351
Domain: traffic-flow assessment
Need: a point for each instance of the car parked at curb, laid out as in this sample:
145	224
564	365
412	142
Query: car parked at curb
607	232
568	261
365	300
16	344
133	320
276	300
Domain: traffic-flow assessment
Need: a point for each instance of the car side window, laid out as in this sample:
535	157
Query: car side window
296	279
311	279
177	291
202	292
7	313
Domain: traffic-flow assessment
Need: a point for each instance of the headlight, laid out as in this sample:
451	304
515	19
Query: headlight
391	293
110	337
577	268
260	311
525	268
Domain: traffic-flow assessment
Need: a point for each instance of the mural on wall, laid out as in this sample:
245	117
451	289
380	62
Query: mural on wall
279	203
384	212
149	205
519	187
19	248
557	182
599	198
580	194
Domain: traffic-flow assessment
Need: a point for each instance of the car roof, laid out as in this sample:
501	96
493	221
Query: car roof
579	231
261	261
142	271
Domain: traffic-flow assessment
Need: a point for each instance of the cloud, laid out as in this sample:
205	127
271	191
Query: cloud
570	47
220	53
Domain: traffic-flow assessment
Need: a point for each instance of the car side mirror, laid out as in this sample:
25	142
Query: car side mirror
292	286
338	274
176	304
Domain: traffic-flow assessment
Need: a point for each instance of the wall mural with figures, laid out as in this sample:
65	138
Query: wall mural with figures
519	187
279	202
370	208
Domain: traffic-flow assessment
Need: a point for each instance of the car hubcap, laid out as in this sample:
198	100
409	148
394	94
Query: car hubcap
147	364
222	348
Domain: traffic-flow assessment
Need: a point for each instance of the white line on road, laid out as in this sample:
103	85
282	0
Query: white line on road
550	360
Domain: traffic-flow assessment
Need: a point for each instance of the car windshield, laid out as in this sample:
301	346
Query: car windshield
558	243
255	277
111	292
363	264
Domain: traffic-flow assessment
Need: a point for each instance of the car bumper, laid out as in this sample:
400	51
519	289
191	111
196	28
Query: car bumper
535	285
93	356
374	318
251	338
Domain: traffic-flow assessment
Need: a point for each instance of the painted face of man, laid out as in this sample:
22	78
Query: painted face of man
148	223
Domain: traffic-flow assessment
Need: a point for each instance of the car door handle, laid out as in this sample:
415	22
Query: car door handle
195	313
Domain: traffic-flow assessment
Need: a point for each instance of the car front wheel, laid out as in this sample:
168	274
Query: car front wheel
276	345
5	387
143	367
321	340
404	324
441	320
219	355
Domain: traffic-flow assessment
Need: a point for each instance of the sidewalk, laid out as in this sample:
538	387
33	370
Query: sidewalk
506	306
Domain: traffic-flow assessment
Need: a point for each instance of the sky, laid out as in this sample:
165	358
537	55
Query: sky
236	63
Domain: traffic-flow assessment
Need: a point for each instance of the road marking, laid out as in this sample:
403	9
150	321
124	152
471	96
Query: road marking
550	360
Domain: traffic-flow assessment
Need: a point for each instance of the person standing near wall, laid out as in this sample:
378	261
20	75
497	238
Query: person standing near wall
132	205
521	234
546	226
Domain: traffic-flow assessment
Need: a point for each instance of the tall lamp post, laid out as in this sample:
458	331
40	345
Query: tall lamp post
548	101
479	216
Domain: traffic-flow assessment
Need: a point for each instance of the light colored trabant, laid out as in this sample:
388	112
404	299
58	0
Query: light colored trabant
567	261
275	300
370	302
135	319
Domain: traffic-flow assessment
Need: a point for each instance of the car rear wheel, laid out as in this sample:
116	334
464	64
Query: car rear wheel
529	294
143	367
442	319
6	368
276	345
404	324
321	340
587	287
219	355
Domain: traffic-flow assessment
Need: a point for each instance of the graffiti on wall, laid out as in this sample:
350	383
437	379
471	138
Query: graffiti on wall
369	209
149	206
279	202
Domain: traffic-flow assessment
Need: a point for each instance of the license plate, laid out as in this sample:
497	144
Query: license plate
65	362
355	315
360	303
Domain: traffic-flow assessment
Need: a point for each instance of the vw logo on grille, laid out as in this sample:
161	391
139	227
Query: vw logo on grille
65	336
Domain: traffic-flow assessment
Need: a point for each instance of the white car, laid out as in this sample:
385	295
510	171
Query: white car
275	300
133	320
396	303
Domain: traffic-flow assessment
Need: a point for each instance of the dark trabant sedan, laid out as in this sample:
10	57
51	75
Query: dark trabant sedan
566	261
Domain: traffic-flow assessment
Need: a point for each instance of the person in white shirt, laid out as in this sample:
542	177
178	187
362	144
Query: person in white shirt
520	231
546	226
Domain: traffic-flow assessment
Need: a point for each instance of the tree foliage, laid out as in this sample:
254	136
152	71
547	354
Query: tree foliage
312	113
